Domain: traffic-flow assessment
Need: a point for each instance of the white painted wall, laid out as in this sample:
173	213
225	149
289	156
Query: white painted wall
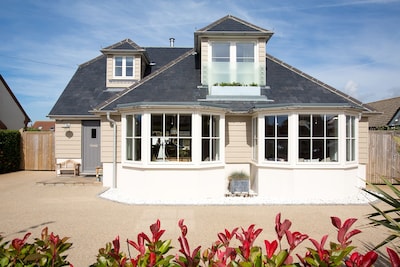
172	185
305	185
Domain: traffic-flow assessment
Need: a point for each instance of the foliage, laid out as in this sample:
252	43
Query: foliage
390	217
234	248
153	251
46	251
238	175
10	151
234	84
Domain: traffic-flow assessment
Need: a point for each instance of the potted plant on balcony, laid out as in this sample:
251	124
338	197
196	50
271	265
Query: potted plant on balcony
239	182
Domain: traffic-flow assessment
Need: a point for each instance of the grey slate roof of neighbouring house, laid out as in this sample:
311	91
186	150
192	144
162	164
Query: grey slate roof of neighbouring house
175	79
388	108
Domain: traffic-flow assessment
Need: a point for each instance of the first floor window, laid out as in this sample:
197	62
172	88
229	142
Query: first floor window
210	138
350	138
123	66
276	138
133	137
171	137
318	137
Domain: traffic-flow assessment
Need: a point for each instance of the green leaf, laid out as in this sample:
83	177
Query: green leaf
281	257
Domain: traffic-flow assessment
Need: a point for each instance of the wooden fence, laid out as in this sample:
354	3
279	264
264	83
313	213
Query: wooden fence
384	156
38	151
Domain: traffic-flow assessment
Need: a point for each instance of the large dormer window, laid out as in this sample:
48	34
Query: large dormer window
123	66
233	61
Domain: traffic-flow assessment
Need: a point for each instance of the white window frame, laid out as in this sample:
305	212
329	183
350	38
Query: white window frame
213	150
123	67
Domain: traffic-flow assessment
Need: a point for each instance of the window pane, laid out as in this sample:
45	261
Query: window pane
332	125
270	149
318	125
350	149
282	150
170	125
220	52
304	126
129	148
129	121
318	150
155	148
138	125
205	150
215	149
138	149
215	126
118	66
205	126
185	150
245	52
282	126
185	125
156	124
331	150
304	149
269	126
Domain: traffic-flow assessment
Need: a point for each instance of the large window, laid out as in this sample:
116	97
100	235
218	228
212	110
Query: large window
123	67
318	138
233	62
171	137
276	138
210	138
133	137
350	138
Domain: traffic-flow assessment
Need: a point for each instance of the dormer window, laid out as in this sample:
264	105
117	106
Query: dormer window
123	66
233	61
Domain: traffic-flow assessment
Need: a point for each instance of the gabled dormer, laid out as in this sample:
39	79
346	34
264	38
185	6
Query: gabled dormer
232	52
126	63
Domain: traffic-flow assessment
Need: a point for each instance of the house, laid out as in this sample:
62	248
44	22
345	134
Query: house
12	115
43	125
389	113
171	122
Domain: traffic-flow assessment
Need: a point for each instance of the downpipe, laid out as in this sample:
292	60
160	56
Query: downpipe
114	125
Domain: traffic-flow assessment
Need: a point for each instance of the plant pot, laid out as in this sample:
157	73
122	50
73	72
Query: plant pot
239	186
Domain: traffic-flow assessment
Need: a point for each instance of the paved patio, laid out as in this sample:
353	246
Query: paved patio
32	200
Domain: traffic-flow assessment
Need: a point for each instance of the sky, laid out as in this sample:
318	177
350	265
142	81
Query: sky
352	45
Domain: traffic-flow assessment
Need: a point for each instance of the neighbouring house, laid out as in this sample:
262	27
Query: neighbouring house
389	113
169	122
12	115
44	125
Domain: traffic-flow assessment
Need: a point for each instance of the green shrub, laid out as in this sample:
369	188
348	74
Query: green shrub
10	151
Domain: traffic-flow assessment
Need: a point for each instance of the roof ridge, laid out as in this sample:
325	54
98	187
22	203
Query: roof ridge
251	25
319	82
127	40
145	79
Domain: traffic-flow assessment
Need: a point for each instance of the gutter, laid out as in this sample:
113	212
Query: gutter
114	125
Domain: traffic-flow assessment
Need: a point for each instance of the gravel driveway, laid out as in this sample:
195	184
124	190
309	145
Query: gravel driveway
77	211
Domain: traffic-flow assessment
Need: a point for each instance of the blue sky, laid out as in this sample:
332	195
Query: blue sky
352	45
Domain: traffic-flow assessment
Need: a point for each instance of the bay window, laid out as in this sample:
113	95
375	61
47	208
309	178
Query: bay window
133	137
318	138
276	138
210	138
171	137
123	66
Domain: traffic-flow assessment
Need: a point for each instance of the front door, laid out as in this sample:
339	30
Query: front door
90	146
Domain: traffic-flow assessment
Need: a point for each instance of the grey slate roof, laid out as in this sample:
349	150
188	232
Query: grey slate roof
388	108
174	79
